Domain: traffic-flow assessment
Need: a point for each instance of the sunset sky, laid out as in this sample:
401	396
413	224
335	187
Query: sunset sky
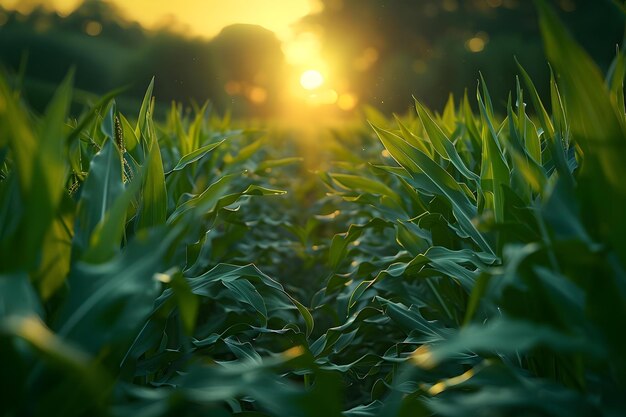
204	17
311	78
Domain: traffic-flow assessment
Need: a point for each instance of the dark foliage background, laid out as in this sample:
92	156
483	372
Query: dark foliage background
382	49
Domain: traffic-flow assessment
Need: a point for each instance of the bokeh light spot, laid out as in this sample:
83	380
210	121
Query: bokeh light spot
477	43
257	95
347	101
311	79
93	28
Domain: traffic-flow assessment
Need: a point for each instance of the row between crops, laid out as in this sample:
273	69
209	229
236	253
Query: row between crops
462	263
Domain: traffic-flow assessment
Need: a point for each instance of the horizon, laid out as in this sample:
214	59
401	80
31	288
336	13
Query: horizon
301	49
275	15
341	56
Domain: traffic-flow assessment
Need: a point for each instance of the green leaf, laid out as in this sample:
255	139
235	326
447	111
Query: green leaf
597	126
187	302
542	114
108	124
494	170
131	141
360	183
18	297
101	189
504	336
109	302
409	319
56	251
92	114
442	143
195	130
245	292
615	80
470	123
410	137
207	200
145	108
244	153
89	378
276	163
107	236
306	315
339	244
439	180
41	169
196	155
153	210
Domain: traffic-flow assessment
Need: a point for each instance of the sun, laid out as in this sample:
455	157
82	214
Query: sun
311	79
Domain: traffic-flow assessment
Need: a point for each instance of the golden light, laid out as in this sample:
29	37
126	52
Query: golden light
322	98
347	101
450	5
367	58
311	79
198	16
477	43
232	88
93	28
441	386
302	49
257	95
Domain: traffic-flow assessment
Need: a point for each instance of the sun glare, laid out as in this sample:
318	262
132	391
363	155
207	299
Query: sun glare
311	79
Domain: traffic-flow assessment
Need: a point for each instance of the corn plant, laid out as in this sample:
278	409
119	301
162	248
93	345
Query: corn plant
109	281
498	294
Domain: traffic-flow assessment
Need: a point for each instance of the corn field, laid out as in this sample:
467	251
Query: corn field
467	262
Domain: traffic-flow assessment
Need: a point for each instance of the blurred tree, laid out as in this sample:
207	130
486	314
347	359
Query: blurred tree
93	39
252	65
384	50
184	69
241	68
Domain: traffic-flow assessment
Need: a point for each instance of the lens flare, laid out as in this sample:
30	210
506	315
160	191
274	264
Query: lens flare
311	79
